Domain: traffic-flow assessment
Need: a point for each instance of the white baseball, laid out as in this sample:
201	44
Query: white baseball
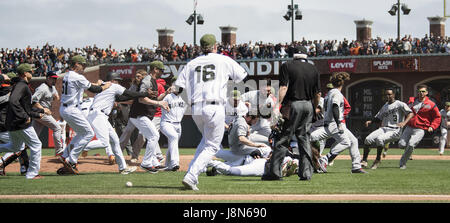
129	184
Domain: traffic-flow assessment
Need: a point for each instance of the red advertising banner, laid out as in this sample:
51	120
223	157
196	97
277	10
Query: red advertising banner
347	65
395	65
124	71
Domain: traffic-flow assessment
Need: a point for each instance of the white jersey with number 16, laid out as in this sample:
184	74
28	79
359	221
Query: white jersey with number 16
205	78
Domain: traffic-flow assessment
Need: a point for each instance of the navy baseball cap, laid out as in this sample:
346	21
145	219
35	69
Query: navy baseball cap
52	74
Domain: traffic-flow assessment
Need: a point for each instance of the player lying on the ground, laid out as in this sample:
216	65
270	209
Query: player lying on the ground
251	167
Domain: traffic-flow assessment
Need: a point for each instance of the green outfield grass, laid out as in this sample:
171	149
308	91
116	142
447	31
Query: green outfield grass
429	177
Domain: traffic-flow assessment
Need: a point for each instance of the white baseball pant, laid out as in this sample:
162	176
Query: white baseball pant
173	133
106	137
84	132
210	120
27	137
125	138
442	140
409	140
148	130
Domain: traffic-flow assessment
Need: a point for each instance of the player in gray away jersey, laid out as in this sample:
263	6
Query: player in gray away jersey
43	98
393	116
238	139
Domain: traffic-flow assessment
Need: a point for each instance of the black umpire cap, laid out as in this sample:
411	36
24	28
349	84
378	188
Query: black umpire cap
113	76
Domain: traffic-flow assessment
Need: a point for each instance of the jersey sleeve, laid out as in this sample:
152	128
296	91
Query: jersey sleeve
82	82
242	129
337	99
405	108
181	80
119	89
237	72
146	84
37	95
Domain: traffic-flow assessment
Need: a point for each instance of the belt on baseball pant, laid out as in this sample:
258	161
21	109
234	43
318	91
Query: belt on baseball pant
102	111
391	127
207	103
172	122
67	105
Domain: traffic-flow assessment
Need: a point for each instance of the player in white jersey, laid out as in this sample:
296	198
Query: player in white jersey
98	117
73	86
260	101
205	80
334	127
392	117
171	127
445	124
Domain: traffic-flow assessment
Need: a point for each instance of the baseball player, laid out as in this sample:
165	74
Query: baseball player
260	103
426	118
445	123
392	117
98	117
141	114
73	86
251	167
43	98
156	70
334	127
130	129
18	121
205	81
171	127
9	157
238	139
235	107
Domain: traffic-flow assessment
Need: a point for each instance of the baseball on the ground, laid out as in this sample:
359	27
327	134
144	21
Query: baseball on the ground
129	184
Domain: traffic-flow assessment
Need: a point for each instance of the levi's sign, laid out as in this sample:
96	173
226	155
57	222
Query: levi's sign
348	65
395	65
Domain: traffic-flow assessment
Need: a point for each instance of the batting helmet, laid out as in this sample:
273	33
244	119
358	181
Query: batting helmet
113	76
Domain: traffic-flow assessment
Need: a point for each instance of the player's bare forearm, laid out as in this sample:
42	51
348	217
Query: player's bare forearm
247	142
316	100
281	94
408	117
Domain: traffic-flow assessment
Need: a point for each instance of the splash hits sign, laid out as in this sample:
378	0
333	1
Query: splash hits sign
395	65
347	65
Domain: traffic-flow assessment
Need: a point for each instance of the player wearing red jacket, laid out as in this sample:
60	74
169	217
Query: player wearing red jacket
426	118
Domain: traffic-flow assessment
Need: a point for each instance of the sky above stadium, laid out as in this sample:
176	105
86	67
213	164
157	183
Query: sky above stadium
133	23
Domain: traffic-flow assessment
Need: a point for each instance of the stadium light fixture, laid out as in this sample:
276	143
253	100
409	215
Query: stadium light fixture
405	9
395	10
292	14
195	19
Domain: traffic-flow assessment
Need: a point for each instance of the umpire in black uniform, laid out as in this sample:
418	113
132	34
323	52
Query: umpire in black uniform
298	95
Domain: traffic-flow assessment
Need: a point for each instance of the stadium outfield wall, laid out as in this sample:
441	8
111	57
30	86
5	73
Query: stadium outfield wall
370	75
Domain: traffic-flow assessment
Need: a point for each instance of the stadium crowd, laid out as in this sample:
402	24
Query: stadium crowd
52	58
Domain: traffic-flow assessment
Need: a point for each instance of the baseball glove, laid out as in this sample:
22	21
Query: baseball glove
63	171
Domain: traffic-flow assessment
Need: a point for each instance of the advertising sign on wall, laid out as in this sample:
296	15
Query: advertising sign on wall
395	65
347	65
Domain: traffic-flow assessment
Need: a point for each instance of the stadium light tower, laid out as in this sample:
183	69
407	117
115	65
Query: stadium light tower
195	19
292	14
395	10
